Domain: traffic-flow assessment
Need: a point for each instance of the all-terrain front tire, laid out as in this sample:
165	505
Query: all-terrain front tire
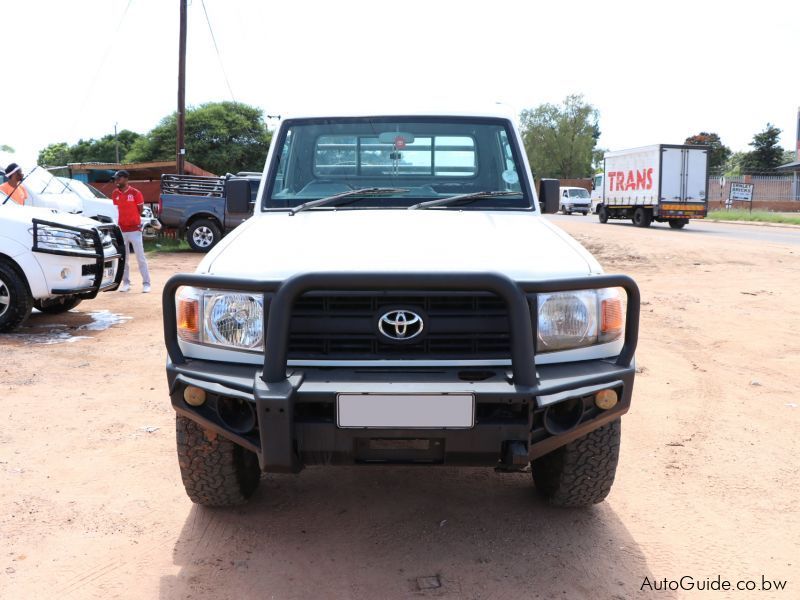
214	470
63	305
15	299
582	472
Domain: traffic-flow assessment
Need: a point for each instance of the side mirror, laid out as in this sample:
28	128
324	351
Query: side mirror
548	195
237	195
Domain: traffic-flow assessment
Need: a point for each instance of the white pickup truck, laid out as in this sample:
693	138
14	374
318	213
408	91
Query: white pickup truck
52	261
398	298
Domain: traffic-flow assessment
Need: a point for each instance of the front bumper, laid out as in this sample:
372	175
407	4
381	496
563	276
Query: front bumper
93	264
288	417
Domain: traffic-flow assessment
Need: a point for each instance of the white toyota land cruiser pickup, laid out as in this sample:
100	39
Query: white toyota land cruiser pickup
52	261
398	298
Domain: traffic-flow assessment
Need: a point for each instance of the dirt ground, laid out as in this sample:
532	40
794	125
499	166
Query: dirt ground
92	504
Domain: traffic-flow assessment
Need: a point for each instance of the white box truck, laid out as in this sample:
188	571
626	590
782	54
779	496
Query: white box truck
664	183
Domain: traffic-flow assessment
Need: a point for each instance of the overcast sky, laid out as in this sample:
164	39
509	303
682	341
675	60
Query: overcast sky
657	72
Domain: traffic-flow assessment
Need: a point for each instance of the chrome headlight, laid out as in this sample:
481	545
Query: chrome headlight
50	237
578	319
221	318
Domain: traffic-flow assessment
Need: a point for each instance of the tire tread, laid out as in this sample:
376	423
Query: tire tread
582	472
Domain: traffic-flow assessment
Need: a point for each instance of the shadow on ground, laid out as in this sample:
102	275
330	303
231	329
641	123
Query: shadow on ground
371	532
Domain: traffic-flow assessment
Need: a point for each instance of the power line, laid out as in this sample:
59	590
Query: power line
216	48
100	66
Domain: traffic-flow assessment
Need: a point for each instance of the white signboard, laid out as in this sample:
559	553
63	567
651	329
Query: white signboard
742	192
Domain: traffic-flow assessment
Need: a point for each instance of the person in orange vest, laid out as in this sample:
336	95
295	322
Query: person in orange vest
13	188
130	203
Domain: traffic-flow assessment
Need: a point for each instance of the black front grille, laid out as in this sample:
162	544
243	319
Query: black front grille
344	326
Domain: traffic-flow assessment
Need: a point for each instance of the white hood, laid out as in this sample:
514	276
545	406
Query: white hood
13	212
275	246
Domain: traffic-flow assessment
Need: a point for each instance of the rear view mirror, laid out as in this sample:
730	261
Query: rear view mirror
398	139
548	196
237	195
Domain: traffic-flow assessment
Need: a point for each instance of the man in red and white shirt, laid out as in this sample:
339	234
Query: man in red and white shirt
130	202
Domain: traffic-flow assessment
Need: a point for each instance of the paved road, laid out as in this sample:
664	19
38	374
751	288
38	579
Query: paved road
756	233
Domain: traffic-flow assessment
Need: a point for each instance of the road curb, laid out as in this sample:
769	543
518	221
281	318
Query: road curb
759	223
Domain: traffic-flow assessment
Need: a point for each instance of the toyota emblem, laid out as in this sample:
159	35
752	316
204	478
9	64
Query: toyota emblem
400	325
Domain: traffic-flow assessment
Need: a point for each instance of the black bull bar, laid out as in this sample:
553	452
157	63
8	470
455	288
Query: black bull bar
273	389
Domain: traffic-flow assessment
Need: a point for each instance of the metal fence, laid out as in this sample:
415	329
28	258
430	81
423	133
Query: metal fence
766	188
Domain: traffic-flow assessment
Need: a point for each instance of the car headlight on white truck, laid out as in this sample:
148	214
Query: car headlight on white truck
568	320
50	237
221	318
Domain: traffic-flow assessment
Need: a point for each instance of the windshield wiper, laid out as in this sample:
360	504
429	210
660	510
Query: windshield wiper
373	191
463	198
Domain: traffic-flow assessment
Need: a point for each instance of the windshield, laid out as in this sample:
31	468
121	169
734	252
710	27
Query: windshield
83	190
421	158
40	181
579	193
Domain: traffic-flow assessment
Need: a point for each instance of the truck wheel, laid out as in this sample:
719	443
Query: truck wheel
203	235
15	299
214	470
582	472
58	306
642	217
602	214
678	223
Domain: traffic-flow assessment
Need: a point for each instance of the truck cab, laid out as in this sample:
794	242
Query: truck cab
65	196
597	191
398	298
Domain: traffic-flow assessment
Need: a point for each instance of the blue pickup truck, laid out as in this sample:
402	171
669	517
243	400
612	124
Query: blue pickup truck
200	209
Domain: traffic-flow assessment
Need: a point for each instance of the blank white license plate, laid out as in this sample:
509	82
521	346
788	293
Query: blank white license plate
407	411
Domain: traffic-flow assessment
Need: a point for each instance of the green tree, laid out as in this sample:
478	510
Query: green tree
718	154
598	155
6	148
733	167
54	155
789	156
91	150
559	140
221	137
766	153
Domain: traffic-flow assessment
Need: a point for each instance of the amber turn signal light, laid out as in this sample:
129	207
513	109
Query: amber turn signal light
189	319
610	319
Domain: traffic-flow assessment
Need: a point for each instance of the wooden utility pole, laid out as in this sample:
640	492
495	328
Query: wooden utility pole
116	143
180	147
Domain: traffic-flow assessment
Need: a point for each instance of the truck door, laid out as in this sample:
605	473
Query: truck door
684	174
696	176
672	175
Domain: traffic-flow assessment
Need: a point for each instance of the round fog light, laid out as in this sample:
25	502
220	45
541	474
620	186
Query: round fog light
606	399
194	396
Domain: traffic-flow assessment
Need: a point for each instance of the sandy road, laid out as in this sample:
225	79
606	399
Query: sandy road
708	484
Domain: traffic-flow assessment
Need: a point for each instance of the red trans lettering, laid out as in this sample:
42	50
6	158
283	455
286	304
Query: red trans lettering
619	181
